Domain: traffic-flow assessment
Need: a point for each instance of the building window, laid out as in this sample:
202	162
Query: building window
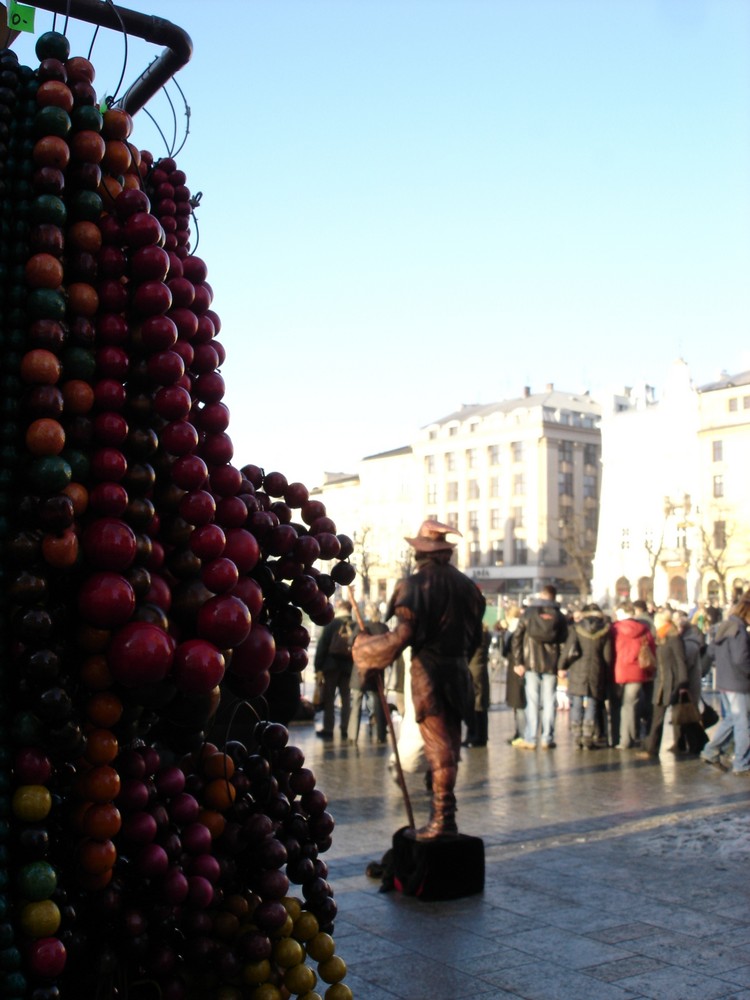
519	485
718	486
451	491
473	489
493	454
746	402
475	554
473	520
520	552
518	517
516	451
720	534
471	458
717	451
452	431
589	486
432	435
625	539
590	521
429	464
498	553
451	519
565	451
432	494
495	518
565	484
733	404
473	427
494	486
590	454
450	461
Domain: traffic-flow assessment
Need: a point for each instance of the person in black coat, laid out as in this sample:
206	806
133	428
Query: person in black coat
587	658
479	668
671	676
515	691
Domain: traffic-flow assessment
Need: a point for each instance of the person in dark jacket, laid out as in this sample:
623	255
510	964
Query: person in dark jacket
732	658
515	693
333	659
694	642
479	668
671	675
536	644
439	612
587	658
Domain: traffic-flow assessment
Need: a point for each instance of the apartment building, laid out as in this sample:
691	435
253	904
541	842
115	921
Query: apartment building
519	479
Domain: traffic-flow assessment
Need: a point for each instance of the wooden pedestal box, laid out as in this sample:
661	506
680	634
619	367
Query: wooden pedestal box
447	867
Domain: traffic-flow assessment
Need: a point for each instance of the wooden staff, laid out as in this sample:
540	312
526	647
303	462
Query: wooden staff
388	719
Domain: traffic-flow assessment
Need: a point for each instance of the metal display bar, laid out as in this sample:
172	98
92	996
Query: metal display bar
179	46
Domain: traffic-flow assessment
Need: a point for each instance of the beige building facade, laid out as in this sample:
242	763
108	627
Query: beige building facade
723	447
675	495
519	479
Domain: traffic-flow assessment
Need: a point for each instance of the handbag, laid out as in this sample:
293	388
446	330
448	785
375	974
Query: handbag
646	658
684	712
709	716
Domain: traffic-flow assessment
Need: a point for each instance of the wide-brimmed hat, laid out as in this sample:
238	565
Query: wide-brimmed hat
431	537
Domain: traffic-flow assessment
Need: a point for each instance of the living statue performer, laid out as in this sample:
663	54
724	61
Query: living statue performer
439	614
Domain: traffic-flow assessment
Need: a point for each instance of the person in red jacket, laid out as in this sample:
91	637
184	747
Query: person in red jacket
632	637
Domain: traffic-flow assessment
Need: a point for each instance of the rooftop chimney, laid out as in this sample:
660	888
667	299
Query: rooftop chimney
550	386
526	391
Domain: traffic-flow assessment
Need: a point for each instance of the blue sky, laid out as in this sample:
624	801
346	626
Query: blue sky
413	204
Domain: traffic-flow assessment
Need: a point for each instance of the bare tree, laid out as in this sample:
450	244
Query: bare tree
363	558
405	564
577	548
654	545
714	557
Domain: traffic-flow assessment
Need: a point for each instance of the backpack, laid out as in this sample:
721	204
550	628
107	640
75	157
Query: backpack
342	639
544	625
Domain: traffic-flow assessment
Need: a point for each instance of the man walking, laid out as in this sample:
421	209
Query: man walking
536	645
733	681
333	659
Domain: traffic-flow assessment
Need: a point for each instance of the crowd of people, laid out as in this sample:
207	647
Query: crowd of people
621	674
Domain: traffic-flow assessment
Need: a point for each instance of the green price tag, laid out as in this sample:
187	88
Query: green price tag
20	16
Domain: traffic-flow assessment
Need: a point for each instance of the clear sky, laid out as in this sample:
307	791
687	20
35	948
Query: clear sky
413	204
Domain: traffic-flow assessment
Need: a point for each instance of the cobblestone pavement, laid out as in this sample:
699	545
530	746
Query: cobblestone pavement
607	877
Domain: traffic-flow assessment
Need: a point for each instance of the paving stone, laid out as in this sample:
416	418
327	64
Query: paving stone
570	951
623	932
542	981
674	983
415	977
610	972
738	976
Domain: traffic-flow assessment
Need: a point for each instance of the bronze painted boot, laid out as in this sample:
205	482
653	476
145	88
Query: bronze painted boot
443	818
